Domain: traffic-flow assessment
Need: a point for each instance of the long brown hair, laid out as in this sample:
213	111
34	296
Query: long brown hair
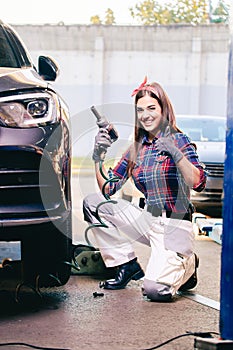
155	91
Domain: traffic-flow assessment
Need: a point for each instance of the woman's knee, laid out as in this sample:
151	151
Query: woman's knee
156	291
90	203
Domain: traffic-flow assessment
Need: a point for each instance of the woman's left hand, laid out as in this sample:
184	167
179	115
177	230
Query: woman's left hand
166	145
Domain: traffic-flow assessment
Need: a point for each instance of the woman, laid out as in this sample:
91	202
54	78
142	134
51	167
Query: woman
164	166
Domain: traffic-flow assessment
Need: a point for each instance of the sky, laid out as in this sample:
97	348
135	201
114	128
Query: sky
68	11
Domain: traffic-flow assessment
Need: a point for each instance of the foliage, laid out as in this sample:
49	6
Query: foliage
108	20
95	19
109	17
220	13
150	12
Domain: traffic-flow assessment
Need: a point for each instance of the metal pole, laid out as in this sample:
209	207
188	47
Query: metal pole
226	299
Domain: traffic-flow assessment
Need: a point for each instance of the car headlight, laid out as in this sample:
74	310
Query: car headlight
29	110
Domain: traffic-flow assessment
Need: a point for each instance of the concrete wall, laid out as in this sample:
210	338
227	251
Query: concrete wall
103	64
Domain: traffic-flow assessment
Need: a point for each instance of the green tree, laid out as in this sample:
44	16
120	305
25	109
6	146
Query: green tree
108	20
109	17
150	12
191	11
221	13
95	20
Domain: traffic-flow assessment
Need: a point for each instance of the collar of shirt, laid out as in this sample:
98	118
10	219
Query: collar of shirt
145	139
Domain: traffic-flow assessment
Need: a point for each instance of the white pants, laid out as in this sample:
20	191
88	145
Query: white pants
171	262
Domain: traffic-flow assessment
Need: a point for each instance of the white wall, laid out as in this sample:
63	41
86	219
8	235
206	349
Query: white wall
103	64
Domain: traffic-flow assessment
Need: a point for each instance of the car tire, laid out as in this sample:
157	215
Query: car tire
46	255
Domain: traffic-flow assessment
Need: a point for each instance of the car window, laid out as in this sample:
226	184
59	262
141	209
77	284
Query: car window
205	129
7	56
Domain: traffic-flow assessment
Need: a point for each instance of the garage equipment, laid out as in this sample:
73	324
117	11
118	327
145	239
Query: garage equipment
211	227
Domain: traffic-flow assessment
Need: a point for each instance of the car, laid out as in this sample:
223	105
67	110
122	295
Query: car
208	132
35	164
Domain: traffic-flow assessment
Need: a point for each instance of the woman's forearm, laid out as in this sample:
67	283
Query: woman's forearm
190	173
100	179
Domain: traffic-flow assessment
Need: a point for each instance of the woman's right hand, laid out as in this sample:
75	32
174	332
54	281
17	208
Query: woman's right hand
102	142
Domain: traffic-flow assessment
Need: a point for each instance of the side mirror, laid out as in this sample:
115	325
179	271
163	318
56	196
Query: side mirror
48	68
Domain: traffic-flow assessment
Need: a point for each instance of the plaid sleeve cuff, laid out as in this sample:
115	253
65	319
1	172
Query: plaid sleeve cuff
201	184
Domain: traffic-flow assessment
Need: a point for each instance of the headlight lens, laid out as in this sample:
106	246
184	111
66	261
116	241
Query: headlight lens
29	110
37	108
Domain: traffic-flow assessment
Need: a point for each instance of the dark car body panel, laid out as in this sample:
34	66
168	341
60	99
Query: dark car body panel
35	164
19	79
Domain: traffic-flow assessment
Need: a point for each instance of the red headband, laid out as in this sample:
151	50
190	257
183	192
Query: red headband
135	91
143	86
148	87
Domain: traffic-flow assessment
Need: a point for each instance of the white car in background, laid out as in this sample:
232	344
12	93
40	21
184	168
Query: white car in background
209	135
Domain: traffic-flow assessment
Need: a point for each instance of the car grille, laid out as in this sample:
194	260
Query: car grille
22	185
214	169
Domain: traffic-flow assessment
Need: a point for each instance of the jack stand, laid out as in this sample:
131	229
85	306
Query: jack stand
212	344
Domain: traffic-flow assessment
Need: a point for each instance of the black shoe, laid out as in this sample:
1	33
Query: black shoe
125	273
192	281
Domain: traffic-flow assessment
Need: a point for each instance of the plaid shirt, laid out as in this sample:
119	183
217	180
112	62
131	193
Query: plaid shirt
157	176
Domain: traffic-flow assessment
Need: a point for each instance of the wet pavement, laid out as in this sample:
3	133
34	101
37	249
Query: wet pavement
73	317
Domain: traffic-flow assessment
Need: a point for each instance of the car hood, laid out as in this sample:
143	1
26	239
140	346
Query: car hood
211	152
19	79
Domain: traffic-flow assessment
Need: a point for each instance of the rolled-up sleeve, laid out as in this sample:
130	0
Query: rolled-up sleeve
202	183
189	149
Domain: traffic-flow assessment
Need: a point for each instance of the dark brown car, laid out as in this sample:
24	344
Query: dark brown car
35	162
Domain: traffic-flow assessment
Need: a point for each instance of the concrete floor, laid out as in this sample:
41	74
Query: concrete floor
70	317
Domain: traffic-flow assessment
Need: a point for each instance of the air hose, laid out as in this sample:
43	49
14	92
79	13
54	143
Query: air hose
108	200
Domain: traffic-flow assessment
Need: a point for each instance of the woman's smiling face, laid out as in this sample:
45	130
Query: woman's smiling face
149	115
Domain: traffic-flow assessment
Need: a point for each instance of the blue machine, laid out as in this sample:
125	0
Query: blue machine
226	301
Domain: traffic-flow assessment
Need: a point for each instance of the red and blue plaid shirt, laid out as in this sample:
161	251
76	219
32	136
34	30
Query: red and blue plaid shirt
157	176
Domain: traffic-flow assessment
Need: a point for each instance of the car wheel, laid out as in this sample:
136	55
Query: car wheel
46	255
